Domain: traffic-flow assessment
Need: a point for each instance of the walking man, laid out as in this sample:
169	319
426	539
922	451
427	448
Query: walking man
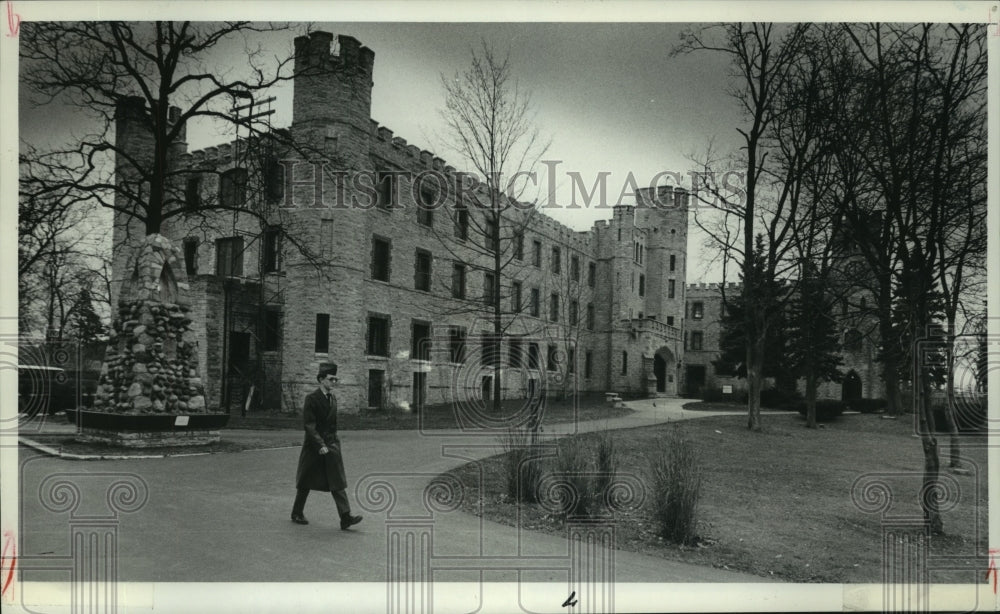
321	466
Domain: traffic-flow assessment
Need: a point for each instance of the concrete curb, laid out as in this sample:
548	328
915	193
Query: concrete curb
50	451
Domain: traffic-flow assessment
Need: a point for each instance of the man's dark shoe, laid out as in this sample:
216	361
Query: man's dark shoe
347	521
299	519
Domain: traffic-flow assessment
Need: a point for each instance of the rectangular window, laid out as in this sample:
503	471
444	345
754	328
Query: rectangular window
270	340
422	271
233	188
322	345
271	248
490	235
556	261
697	310
588	364
697	339
456	344
642	285
381	250
519	245
458	280
229	257
574	268
378	335
670	320
191	256
385	184
515	297
192	193
536	253
673	262
552	362
514	354
574	313
533	356
624	363
571	360
490	349
670	288
326	238
489	291
420	346
461	222
590	316
425	208
591	274
554	308
536	299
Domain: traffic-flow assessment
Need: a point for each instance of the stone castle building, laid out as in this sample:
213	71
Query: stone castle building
397	293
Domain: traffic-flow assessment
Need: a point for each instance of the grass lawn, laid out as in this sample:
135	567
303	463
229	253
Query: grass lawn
590	407
778	503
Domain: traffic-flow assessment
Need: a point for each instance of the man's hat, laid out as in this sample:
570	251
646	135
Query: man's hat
325	369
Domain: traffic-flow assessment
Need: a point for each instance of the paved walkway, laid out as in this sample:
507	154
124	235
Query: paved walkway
224	517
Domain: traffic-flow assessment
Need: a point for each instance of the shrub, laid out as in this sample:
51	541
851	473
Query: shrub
714	394
970	415
776	398
676	485
573	472
867	406
523	467
607	469
827	410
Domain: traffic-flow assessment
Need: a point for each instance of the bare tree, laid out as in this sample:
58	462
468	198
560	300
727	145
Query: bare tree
763	57
490	125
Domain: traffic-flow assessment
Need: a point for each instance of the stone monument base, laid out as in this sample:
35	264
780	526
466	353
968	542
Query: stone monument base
152	439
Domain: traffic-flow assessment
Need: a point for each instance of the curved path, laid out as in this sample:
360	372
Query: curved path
224	517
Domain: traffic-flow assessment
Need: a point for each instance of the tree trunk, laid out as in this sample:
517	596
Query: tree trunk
811	399
755	367
954	450
889	356
932	465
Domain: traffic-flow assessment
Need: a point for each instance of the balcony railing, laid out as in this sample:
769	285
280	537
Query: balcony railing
653	327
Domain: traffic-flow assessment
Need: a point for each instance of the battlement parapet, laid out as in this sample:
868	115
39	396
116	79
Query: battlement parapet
317	51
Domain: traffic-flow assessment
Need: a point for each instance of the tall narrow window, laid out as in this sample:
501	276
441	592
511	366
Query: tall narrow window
378	335
326	238
591	274
456	344
490	235
697	339
420	344
322	345
536	253
552	361
519	244
556	261
536	299
624	363
642	285
229	257
461	222
271	248
574	268
673	262
588	364
422	271
697	310
533	356
670	288
425	208
233	188
270	340
458	280
554	308
574	313
381	250
571	360
385	185
490	349
191	256
489	291
192	193
515	297
590	316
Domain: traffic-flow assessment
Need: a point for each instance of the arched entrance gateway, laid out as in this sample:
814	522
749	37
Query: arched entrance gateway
665	371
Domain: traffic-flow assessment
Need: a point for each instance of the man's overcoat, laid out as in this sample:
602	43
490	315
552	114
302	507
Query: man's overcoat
320	471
